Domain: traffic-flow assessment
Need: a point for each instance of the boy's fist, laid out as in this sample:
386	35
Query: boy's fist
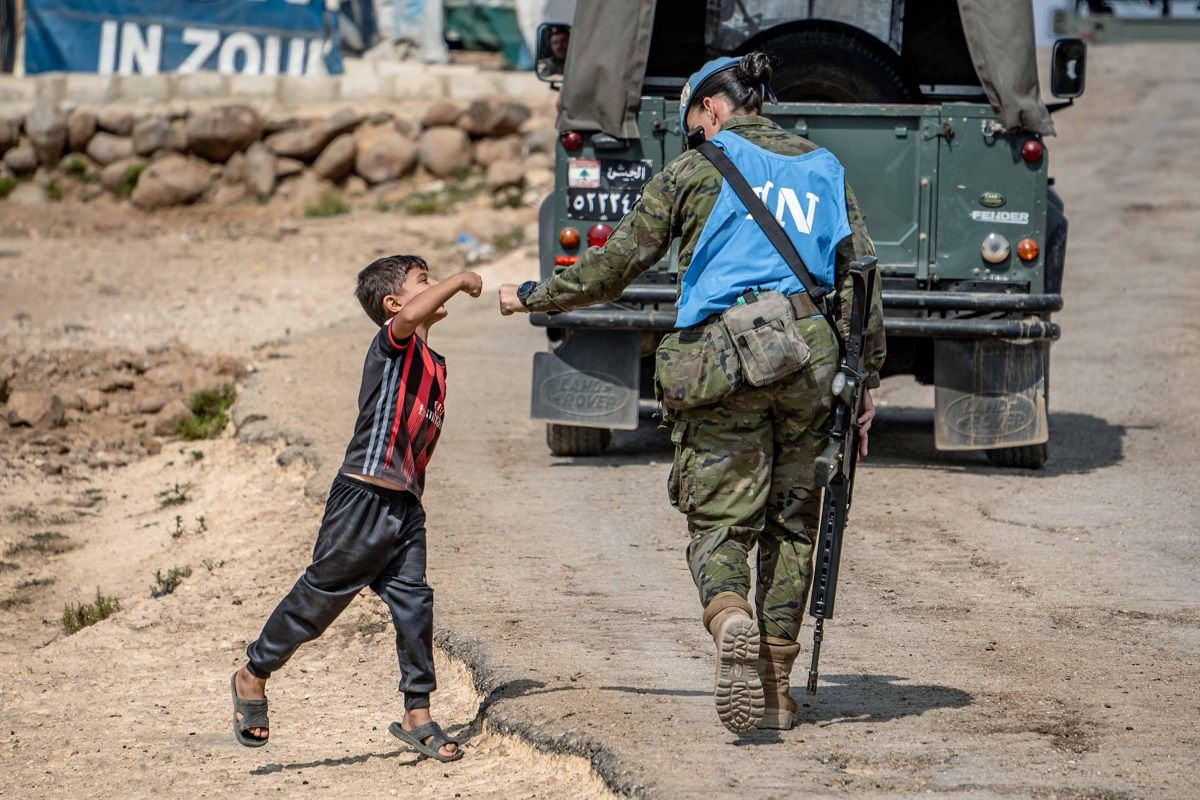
472	284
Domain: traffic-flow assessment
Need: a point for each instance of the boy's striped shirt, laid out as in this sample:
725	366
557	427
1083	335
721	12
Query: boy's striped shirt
400	410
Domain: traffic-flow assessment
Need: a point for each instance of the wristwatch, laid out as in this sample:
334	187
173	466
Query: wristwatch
524	290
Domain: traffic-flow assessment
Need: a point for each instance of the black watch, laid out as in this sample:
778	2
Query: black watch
524	290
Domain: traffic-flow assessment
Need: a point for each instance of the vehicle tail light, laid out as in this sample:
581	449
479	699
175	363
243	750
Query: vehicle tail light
995	249
1027	250
568	238
571	140
565	261
1032	151
598	234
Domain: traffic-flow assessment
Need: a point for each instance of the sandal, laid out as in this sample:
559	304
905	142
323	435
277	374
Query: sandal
254	715
433	749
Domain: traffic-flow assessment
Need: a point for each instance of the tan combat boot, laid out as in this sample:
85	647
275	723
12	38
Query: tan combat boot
739	693
775	659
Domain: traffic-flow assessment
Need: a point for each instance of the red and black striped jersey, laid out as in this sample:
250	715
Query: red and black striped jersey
401	404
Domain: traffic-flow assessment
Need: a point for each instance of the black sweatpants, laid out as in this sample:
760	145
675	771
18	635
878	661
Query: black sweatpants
370	536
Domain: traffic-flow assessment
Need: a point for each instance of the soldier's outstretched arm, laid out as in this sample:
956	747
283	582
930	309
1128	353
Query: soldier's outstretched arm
639	242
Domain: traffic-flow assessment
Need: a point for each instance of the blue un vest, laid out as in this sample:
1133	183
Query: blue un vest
807	193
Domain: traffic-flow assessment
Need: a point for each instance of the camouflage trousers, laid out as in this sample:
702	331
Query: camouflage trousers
743	474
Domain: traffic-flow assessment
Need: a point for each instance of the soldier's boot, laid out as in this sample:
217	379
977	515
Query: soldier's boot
775	659
738	693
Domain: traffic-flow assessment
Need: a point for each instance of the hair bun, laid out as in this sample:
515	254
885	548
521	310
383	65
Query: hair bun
755	69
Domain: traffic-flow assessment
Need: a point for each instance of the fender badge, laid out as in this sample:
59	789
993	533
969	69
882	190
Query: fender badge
992	199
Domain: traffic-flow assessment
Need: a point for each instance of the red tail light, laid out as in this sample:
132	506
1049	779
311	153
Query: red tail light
565	261
571	140
568	238
598	234
1032	151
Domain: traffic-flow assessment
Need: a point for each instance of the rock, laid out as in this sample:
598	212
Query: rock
542	140
114	177
117	383
105	149
46	127
383	154
35	408
287	167
355	186
10	133
177	137
28	194
21	159
6	173
381	118
90	399
539	178
337	159
114	121
539	161
441	112
151	134
170	416
152	403
220	132
228	193
235	169
303	143
506	148
445	151
260	170
491	117
170	181
181	377
277	124
505	173
81	127
343	121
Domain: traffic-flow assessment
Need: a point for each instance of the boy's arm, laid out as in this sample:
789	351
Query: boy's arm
424	305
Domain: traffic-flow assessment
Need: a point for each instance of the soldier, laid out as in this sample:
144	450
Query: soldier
743	470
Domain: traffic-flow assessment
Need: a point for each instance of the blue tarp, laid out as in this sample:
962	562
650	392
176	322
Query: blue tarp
146	37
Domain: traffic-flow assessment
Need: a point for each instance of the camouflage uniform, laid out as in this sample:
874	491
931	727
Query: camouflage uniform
743	469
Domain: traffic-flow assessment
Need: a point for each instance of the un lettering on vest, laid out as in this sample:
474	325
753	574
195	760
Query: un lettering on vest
788	200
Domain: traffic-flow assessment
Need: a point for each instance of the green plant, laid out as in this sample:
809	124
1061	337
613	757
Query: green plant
165	584
77	616
210	413
436	202
174	495
329	204
75	165
130	178
514	237
178	530
7	185
54	191
197	455
47	543
35	583
201	524
5	566
210	565
11	602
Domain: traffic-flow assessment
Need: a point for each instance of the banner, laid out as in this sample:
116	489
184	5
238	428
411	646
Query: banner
148	37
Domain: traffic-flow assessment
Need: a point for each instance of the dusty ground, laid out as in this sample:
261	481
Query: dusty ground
999	634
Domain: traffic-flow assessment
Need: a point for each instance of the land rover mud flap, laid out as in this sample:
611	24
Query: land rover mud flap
590	380
990	393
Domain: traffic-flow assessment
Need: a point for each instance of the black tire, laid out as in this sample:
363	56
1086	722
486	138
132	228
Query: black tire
1030	456
573	440
831	65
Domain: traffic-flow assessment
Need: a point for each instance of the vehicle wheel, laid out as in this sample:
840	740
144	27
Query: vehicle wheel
1056	244
835	66
1030	456
573	440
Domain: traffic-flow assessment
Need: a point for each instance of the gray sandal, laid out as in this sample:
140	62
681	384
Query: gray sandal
254	715
433	749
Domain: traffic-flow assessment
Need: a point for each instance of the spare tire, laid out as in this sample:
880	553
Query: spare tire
836	65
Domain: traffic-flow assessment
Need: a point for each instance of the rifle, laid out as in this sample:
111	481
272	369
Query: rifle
835	466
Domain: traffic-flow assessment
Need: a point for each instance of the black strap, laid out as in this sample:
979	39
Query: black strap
770	226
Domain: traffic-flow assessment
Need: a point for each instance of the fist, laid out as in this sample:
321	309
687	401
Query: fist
472	284
509	302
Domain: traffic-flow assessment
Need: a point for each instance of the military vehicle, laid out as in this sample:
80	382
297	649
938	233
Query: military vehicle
934	108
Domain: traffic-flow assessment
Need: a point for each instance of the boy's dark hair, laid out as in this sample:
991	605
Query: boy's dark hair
380	278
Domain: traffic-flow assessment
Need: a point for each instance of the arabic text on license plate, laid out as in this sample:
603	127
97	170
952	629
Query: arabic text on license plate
583	173
600	204
616	173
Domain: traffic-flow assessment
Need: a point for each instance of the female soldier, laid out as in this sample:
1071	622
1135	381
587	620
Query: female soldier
743	470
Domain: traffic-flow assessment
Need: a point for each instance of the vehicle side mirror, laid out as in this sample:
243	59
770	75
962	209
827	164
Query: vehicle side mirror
552	42
1068	67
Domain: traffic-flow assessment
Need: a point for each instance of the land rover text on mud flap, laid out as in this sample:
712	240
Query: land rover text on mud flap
934	108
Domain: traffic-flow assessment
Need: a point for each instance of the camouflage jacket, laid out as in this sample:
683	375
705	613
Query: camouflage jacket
676	203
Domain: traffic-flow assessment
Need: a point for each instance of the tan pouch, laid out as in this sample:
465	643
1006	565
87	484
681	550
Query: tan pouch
764	334
696	367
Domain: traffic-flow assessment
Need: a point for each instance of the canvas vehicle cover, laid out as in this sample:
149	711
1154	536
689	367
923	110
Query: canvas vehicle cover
610	44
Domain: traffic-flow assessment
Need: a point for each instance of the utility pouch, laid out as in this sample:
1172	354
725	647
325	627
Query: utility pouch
696	367
764	334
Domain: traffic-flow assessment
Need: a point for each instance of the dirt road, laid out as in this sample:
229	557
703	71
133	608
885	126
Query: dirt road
999	634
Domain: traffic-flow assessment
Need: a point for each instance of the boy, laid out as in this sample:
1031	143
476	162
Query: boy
373	531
